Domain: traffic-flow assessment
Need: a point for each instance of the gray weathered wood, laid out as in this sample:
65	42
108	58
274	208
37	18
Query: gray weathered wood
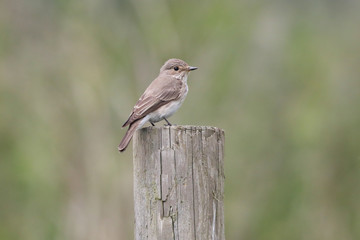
179	183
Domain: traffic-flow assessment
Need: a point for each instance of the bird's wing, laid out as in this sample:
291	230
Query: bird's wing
160	92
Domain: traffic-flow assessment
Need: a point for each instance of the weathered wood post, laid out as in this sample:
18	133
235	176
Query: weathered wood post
179	183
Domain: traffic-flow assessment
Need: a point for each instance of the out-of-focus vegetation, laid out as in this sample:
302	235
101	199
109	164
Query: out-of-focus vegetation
282	78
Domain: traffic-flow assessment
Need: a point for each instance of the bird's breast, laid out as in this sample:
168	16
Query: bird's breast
170	108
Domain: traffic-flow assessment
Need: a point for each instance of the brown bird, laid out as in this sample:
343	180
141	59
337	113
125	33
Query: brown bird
161	99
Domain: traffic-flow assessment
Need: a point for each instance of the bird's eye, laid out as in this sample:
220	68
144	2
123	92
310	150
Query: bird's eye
176	68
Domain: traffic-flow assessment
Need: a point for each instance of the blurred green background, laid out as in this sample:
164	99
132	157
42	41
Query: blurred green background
282	78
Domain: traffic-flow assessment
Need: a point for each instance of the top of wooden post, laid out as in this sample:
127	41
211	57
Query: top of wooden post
184	127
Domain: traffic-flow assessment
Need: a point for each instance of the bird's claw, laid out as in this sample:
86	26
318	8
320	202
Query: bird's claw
169	125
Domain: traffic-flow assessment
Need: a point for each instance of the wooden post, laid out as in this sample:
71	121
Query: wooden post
179	183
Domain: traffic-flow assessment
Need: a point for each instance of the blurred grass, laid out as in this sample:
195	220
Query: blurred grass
281	78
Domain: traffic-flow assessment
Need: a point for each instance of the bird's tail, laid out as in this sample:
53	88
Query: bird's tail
128	136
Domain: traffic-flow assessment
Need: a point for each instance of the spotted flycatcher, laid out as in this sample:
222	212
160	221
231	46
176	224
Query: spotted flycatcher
161	99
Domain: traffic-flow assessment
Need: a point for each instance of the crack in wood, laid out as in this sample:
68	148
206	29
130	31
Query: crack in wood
192	180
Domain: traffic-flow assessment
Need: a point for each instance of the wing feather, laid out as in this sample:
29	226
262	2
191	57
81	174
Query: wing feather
161	91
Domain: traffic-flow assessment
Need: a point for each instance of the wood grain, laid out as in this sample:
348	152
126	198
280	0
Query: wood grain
179	183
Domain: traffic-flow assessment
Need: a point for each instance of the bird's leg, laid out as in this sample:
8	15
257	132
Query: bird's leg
152	124
168	123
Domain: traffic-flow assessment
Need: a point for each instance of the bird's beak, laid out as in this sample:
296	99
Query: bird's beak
192	68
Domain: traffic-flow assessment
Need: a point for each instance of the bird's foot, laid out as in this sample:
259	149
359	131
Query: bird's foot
168	123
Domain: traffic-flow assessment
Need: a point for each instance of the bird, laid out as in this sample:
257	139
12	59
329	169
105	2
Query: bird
161	99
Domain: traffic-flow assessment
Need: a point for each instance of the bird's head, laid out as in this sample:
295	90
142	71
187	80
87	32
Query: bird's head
176	68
